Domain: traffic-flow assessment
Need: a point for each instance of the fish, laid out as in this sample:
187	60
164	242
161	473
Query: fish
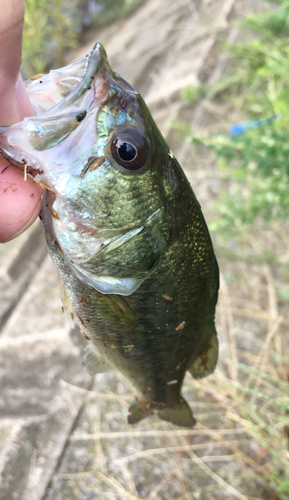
124	230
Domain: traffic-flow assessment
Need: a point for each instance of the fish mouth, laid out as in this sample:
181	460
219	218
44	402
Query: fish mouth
24	144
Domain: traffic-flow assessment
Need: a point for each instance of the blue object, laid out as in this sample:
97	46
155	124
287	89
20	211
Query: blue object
240	128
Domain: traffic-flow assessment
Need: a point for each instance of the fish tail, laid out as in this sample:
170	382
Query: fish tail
180	414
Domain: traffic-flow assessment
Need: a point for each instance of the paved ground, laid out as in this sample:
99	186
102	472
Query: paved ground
44	398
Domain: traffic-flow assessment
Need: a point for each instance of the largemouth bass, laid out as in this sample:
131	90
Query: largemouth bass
124	230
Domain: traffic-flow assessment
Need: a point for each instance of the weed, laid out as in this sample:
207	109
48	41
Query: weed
258	87
52	27
251	383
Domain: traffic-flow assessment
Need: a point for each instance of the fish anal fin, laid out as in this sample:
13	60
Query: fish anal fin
180	414
206	361
93	362
137	411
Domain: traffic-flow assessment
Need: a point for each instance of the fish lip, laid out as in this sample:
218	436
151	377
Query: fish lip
97	65
97	60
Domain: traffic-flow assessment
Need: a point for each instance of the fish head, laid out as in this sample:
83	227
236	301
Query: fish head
96	150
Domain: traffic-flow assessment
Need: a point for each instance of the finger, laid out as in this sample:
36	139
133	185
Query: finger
19	202
11	26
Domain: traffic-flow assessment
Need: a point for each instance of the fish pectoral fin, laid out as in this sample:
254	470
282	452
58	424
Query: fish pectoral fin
180	414
93	362
206	361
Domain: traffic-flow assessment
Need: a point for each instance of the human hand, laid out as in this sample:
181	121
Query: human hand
19	199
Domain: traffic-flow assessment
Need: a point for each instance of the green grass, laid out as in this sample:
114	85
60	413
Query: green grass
250	228
256	86
53	27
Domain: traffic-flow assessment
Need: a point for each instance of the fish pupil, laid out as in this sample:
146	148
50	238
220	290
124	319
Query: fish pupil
130	149
127	151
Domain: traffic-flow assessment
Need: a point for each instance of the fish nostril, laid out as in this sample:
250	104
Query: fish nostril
81	116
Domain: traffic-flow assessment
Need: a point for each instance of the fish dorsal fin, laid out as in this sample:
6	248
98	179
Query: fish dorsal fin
93	362
206	361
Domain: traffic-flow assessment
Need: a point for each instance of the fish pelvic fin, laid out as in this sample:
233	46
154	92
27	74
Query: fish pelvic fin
93	362
206	361
180	414
66	305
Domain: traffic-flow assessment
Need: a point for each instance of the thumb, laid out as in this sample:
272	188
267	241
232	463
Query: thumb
14	102
19	199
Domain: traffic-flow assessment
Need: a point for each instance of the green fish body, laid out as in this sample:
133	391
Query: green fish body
124	230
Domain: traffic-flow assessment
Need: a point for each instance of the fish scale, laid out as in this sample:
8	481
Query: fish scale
125	232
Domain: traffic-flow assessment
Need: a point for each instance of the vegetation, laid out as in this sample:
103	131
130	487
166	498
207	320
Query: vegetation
250	228
52	27
109	10
258	86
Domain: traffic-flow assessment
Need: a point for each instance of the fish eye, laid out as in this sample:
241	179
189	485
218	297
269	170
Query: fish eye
130	150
